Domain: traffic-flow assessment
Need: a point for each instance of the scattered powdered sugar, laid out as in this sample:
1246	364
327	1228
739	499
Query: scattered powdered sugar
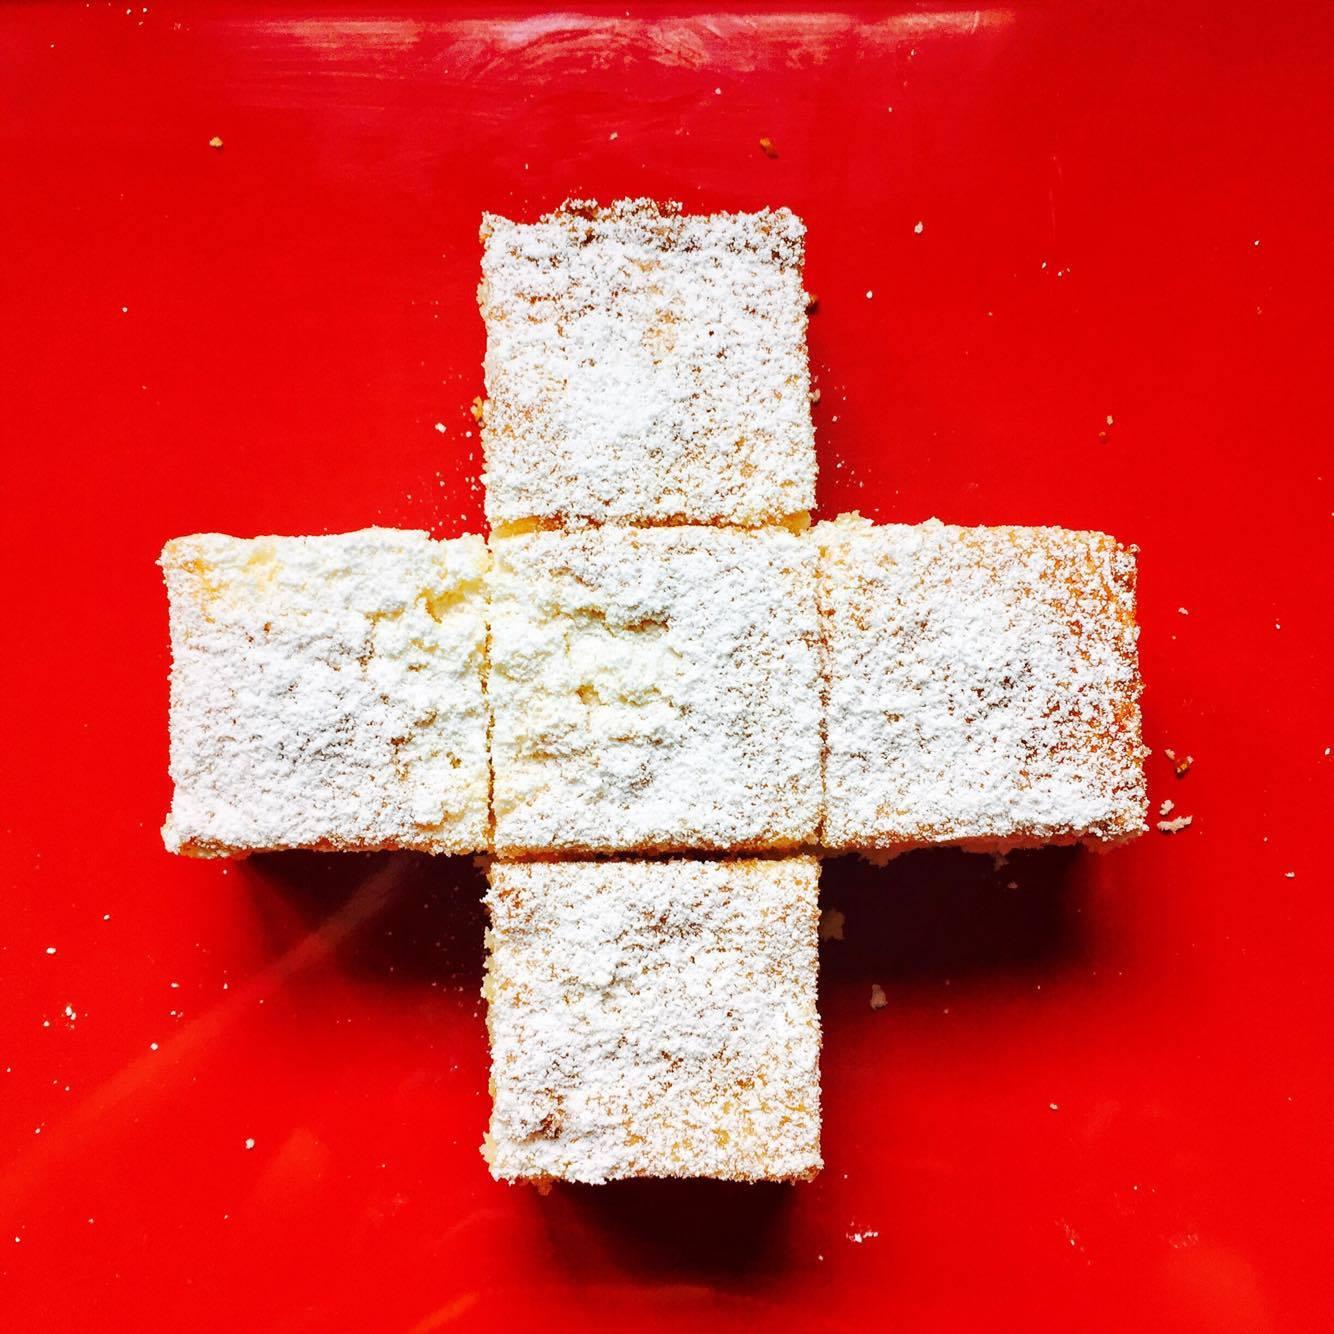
654	689
983	686
327	692
654	1019
644	365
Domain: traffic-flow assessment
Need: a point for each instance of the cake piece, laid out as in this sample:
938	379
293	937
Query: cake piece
653	1019
983	687
327	692
643	366
654	690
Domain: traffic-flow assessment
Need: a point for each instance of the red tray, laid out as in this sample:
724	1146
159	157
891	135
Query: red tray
1073	267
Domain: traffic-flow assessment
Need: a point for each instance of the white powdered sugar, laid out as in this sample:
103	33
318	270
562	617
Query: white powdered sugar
654	690
654	1019
327	692
983	686
643	366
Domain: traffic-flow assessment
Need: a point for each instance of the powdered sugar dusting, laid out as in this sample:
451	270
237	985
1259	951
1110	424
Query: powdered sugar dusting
655	690
327	692
654	1019
645	366
983	686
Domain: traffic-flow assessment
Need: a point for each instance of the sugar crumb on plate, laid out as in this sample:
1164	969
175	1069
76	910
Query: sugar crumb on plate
1180	764
1175	826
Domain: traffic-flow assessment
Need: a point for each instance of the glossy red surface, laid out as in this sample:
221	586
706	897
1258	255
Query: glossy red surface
1072	266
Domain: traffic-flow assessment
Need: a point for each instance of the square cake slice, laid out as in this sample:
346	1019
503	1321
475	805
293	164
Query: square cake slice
983	687
327	692
653	1019
654	690
645	366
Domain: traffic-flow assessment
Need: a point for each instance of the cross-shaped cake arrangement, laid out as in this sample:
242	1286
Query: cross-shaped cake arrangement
654	695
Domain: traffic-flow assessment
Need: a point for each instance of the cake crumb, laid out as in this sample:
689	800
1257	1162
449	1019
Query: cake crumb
878	997
478	409
1180	764
1166	807
831	924
767	147
1175	826
215	143
249	1143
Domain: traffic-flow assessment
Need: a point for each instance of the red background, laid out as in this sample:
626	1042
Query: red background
1102	1099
